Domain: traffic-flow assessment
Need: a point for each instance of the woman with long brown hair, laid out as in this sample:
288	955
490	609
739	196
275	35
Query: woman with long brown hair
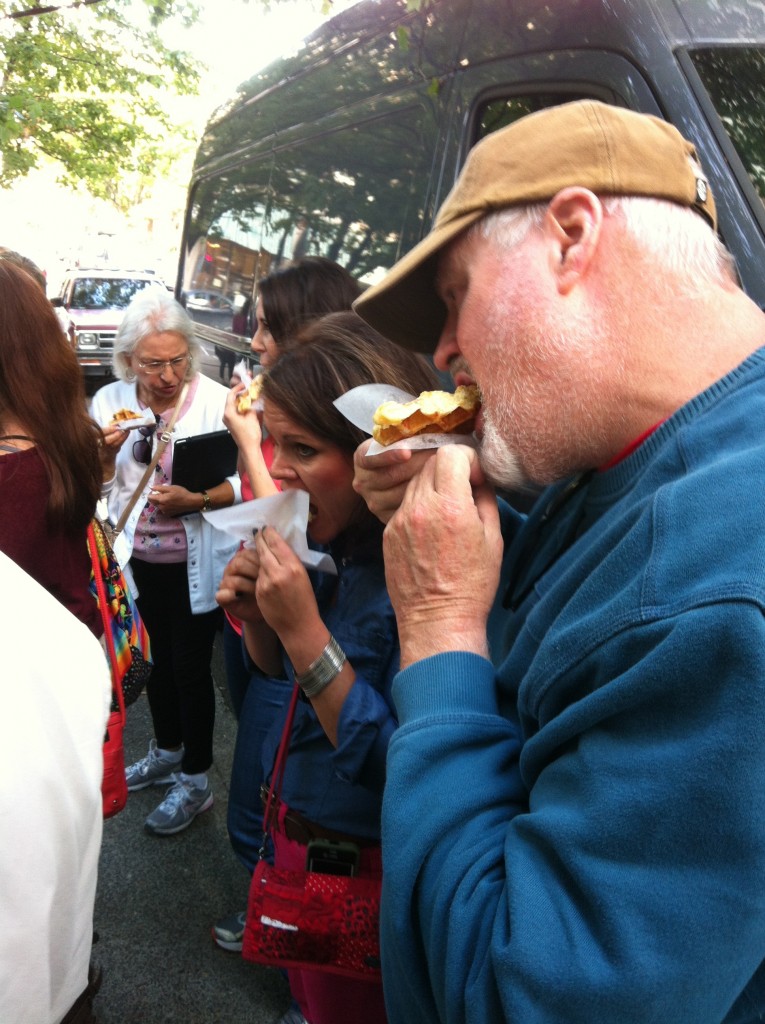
50	471
288	299
296	623
50	481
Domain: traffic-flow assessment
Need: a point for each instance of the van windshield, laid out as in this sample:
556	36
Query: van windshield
735	80
105	293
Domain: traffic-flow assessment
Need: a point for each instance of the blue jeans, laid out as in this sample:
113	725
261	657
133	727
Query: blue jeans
262	701
237	673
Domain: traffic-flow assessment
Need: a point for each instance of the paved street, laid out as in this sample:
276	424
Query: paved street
158	897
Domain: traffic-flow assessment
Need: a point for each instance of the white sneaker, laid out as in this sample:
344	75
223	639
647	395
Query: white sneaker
293	1016
228	933
152	770
182	803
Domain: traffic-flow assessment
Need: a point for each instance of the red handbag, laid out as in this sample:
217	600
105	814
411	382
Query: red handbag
308	919
114	792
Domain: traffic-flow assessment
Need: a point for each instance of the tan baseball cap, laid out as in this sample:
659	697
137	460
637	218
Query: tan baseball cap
607	149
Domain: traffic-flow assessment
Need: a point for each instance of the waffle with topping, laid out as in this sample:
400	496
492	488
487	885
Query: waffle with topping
432	412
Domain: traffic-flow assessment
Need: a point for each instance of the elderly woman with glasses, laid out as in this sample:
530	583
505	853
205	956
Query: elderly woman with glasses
176	558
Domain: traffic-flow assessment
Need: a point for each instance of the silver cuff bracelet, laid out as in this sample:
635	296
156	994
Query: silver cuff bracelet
321	672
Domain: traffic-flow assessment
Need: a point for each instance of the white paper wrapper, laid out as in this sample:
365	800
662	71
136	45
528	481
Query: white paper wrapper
247	379
242	371
147	420
287	512
359	405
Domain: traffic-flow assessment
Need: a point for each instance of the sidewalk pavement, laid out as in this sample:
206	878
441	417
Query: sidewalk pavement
159	896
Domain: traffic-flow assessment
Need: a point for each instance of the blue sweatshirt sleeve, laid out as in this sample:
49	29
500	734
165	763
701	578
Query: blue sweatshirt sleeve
628	886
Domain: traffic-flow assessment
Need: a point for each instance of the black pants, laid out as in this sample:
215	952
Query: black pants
180	687
81	1012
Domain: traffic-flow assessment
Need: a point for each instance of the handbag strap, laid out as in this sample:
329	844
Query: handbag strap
162	443
98	575
13	448
277	776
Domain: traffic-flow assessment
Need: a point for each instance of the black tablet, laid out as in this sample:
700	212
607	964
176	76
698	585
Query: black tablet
204	461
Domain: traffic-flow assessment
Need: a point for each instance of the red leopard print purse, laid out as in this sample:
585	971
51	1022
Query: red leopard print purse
308	919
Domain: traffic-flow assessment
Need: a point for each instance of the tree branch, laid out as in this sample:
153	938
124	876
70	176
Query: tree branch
33	12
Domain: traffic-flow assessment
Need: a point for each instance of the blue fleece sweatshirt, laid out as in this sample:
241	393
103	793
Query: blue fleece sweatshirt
578	834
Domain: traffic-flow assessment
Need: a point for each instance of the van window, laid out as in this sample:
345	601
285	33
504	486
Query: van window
735	80
355	195
499	113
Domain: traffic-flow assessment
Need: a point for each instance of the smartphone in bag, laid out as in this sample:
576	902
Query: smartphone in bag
331	857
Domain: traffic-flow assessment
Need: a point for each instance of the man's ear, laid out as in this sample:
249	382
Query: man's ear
573	224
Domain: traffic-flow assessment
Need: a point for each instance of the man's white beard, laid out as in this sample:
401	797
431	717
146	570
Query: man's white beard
498	461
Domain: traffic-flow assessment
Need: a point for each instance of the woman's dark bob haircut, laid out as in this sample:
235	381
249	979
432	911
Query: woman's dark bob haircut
310	288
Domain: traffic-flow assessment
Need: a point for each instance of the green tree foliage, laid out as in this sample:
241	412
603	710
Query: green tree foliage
88	84
85	84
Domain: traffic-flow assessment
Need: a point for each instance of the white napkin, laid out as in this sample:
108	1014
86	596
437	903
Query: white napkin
286	511
359	405
242	371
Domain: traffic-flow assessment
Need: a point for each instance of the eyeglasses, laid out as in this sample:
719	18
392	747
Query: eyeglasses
156	366
142	447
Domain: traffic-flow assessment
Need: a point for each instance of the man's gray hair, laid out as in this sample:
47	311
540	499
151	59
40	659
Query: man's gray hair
19	260
152	311
677	237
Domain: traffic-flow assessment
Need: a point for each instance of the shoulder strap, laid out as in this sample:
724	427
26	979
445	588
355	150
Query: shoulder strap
162	443
103	607
275	789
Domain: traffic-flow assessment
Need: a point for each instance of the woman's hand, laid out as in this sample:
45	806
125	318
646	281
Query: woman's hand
246	431
237	590
284	591
244	427
238	595
112	439
174	500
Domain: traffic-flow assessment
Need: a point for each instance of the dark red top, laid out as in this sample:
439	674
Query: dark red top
58	561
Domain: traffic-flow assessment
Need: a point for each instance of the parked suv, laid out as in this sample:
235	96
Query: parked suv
90	306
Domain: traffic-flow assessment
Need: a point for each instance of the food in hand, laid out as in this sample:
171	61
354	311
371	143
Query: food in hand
433	412
122	415
252	394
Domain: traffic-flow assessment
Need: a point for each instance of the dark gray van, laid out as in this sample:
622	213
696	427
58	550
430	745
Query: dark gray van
347	148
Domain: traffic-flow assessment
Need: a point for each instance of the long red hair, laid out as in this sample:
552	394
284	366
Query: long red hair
41	388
